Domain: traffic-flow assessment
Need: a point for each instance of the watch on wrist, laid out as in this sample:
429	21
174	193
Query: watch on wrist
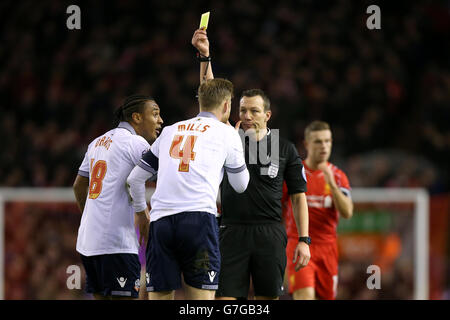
306	240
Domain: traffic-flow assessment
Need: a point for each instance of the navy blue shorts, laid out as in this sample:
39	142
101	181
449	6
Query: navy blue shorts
185	243
113	274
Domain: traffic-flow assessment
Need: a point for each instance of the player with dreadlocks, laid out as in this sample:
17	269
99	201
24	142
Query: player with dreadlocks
107	240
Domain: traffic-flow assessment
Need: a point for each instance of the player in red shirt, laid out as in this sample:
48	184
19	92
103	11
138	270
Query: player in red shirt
328	195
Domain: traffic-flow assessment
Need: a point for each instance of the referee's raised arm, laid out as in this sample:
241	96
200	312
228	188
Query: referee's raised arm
201	43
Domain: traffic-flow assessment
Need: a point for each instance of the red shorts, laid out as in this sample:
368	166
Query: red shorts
321	273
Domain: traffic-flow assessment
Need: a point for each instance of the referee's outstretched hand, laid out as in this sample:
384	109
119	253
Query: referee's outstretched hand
301	256
200	42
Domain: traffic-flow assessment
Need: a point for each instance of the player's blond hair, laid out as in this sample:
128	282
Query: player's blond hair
316	126
212	93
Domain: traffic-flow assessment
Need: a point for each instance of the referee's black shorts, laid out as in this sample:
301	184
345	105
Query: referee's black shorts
257	251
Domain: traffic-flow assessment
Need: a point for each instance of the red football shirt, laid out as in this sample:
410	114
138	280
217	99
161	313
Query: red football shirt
323	216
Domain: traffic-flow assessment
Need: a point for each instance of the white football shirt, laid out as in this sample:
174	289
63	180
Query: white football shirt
107	223
192	156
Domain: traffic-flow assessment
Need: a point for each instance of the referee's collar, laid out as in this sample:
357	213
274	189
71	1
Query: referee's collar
207	114
263	138
127	126
266	135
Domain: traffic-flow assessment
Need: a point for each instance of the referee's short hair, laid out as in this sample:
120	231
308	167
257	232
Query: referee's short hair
212	92
257	92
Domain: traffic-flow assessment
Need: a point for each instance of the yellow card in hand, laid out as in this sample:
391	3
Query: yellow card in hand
204	20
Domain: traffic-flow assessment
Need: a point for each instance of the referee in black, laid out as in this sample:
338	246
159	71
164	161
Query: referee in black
252	236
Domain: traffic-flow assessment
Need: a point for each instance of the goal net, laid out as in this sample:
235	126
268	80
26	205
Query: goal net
389	229
387	237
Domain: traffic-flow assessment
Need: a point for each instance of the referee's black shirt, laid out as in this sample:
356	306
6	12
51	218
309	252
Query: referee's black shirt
261	202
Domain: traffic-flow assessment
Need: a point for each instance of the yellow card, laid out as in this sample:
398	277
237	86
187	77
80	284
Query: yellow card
204	20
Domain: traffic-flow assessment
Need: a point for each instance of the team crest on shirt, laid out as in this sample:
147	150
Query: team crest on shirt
273	170
327	189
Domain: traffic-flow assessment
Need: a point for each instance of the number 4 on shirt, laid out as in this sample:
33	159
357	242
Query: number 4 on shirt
185	154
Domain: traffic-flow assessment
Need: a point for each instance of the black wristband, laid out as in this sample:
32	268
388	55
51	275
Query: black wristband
306	240
202	58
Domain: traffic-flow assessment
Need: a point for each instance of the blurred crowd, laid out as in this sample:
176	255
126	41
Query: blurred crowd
39	247
385	91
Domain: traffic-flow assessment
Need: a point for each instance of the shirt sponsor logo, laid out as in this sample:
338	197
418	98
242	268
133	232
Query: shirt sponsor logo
319	201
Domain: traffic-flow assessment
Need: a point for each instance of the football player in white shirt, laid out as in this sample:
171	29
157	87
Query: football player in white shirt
189	159
107	240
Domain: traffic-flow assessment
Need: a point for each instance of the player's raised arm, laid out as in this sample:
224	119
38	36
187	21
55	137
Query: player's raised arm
343	202
201	43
